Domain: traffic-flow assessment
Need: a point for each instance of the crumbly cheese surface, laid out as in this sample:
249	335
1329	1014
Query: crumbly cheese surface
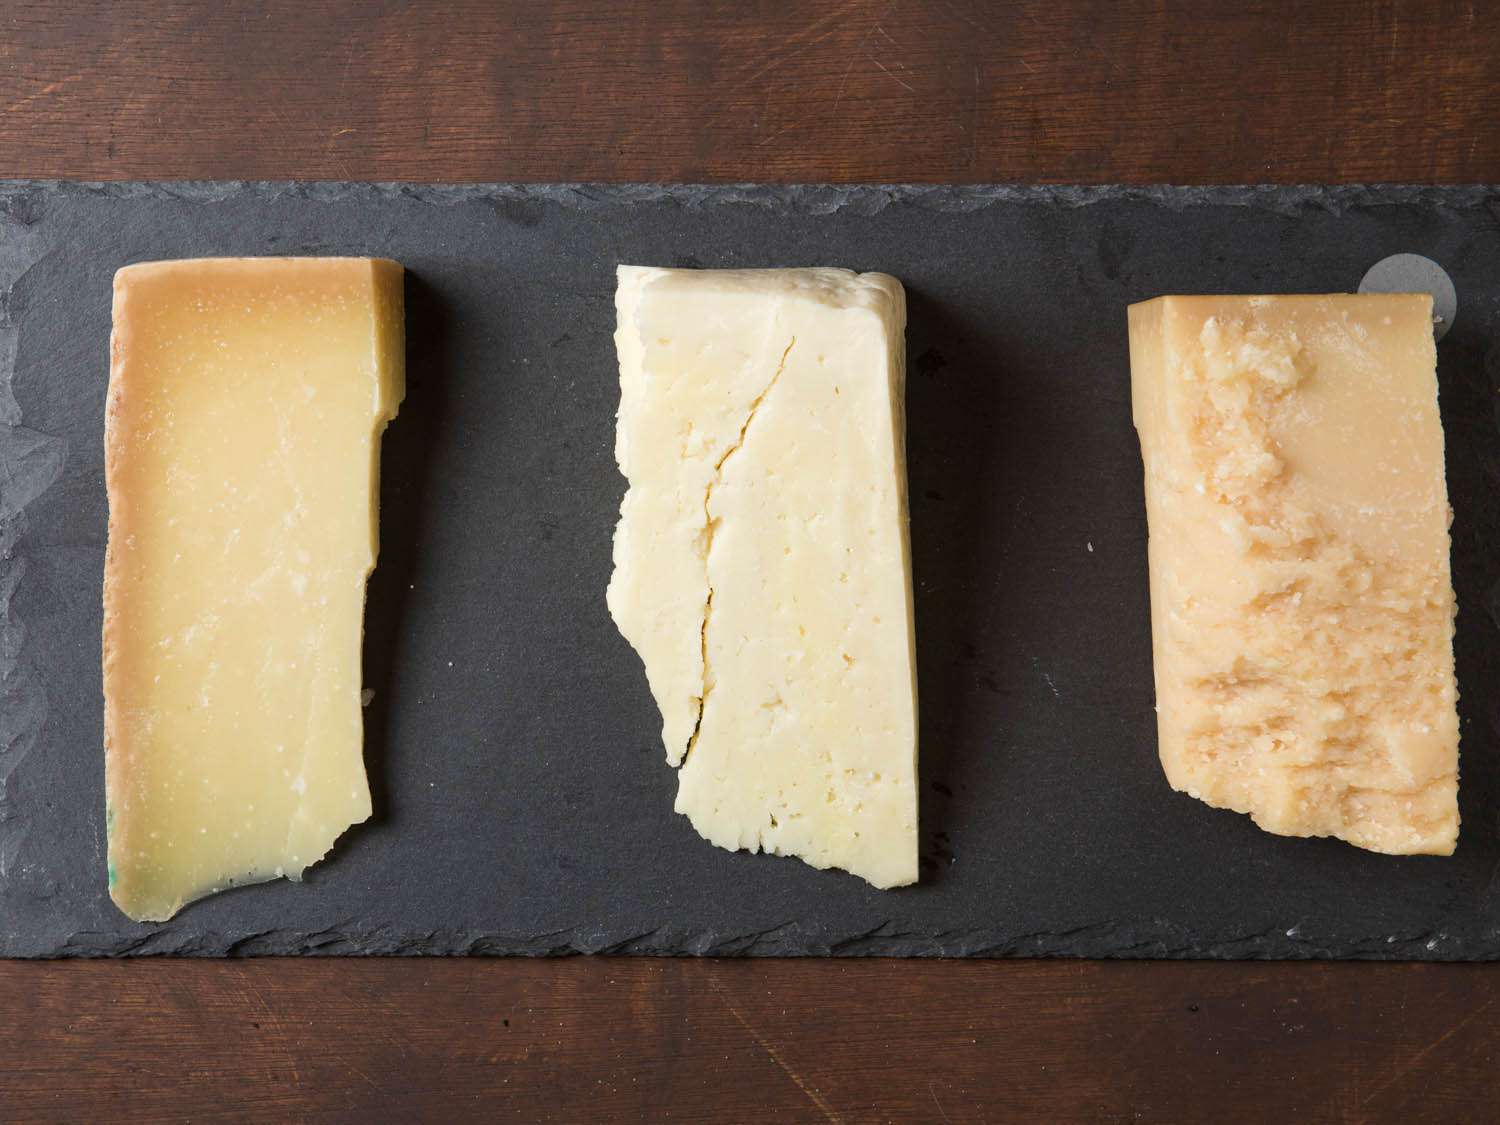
762	567
246	402
1302	607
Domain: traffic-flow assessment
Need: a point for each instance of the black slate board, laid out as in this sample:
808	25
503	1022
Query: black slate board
523	803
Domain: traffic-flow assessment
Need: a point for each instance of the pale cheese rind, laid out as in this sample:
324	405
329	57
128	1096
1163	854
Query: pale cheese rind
1302	606
762	566
245	407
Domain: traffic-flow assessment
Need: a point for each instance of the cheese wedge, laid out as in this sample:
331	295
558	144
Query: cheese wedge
762	568
1301	604
242	439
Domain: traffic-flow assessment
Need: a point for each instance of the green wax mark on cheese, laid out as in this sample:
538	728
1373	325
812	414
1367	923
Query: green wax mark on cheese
113	878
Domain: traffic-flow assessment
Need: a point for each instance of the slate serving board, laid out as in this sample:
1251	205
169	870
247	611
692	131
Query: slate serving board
523	803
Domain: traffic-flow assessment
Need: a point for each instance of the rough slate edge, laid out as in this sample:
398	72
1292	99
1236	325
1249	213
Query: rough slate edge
30	462
816	199
793	940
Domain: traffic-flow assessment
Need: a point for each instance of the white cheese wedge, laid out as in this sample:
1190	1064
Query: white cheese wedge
247	397
1301	605
762	566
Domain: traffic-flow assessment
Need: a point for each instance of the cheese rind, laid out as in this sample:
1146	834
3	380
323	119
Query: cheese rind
762	566
1302	607
245	407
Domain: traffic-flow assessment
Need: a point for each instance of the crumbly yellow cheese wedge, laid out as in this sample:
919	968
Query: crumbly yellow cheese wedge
247	397
1301	604
762	567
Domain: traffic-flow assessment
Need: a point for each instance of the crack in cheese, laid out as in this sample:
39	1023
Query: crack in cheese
1301	602
762	569
242	438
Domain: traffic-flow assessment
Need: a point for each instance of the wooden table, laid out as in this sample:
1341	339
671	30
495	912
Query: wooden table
940	90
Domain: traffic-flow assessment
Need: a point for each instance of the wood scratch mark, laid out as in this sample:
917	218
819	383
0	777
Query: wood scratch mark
365	1075
974	122
863	50
341	100
256	998
958	14
342	163
50	88
932	1089
894	77
348	63
1416	1060
839	94
829	25
775	1055
771	137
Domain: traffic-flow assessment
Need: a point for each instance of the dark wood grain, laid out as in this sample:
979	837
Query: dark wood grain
620	1040
896	90
1210	91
